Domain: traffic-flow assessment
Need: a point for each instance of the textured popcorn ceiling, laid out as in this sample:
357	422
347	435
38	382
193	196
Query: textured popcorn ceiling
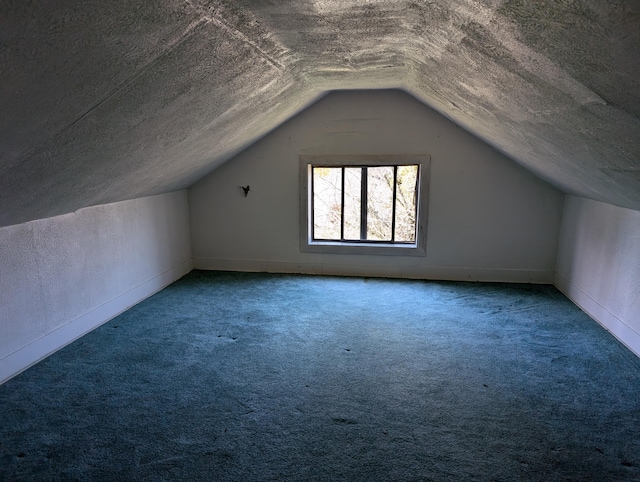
105	101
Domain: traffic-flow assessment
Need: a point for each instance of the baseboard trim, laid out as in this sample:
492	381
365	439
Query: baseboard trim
610	322
382	270
37	350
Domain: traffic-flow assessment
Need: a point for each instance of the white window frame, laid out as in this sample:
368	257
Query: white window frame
308	245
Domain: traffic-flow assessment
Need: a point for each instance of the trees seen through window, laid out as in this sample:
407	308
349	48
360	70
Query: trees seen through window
365	203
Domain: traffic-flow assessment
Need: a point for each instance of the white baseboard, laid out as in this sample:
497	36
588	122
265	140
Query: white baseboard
29	355
610	322
370	270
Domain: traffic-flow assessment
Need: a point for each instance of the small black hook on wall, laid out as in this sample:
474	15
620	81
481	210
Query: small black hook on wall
246	190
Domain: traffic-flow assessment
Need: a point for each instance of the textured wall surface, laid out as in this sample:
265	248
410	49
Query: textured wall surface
106	101
599	265
56	271
488	217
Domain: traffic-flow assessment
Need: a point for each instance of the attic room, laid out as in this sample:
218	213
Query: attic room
146	142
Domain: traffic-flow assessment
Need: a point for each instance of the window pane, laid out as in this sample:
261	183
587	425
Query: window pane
352	202
379	202
327	200
406	203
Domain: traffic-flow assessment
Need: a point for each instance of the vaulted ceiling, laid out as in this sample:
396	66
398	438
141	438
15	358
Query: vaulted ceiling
106	101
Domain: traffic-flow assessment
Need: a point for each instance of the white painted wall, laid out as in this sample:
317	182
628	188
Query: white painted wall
489	219
61	277
599	265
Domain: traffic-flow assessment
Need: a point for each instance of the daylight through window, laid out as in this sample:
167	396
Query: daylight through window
364	204
373	204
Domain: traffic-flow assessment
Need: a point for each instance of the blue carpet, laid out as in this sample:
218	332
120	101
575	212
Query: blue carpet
238	376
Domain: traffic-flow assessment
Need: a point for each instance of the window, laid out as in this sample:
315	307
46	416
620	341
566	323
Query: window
363	204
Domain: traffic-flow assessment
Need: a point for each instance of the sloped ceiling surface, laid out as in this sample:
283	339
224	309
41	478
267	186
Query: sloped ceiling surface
106	101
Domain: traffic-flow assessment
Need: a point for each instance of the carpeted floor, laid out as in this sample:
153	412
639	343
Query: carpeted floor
238	376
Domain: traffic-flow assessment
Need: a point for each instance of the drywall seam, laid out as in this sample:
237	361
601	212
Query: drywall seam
610	322
164	50
234	32
21	359
385	271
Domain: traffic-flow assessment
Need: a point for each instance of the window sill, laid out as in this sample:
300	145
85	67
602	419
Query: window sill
376	249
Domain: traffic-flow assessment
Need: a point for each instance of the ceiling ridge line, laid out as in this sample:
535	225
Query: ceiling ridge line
191	28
